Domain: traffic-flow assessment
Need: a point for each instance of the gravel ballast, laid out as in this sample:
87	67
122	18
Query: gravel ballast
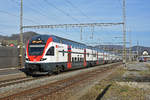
8	90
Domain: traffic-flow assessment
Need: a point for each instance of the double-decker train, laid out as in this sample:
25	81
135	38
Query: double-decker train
49	53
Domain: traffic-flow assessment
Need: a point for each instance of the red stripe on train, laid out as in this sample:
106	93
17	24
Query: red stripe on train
38	58
69	64
85	64
27	49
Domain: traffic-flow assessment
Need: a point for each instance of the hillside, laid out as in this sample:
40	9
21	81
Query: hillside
140	49
16	37
110	47
28	35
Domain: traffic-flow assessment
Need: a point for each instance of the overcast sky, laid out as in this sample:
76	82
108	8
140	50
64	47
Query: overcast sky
79	11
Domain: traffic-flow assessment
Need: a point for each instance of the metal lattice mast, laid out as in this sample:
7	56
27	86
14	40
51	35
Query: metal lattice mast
137	49
124	32
21	33
130	46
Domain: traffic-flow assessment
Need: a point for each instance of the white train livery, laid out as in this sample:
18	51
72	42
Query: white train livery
49	53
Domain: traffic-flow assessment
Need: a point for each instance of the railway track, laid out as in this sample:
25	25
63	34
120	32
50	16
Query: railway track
43	92
19	80
15	81
23	79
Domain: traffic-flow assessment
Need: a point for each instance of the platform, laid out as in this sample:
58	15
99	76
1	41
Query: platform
11	73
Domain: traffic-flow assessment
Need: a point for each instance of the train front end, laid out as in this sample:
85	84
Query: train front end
36	62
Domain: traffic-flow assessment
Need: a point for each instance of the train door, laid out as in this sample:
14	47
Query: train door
92	55
69	64
97	59
85	63
57	53
103	58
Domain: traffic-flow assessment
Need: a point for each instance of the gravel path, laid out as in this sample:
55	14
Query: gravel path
134	78
134	69
137	67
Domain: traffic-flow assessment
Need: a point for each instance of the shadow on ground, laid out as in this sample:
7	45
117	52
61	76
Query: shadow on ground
99	97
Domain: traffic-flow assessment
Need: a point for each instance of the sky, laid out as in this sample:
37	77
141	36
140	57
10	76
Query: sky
51	12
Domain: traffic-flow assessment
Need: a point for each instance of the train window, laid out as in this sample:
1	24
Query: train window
72	59
63	53
75	59
36	50
88	54
81	59
78	59
50	52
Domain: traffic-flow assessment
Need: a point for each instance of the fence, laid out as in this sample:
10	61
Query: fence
9	57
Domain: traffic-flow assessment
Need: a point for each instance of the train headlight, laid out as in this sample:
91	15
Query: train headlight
27	59
43	59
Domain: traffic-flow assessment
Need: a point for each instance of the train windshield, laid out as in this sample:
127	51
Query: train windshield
35	50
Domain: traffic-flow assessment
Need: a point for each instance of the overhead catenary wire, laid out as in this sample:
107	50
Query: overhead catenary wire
73	25
60	10
18	4
79	10
40	10
8	13
31	8
15	2
45	15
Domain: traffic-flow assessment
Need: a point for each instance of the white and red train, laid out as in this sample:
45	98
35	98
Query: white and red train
49	53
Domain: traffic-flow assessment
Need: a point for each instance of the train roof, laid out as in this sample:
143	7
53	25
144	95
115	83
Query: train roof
64	41
56	39
44	38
